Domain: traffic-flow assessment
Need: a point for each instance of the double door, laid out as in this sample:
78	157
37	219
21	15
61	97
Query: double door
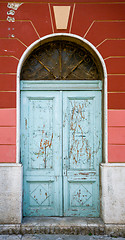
61	152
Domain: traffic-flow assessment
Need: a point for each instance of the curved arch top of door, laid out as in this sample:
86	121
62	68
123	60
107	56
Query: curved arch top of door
61	60
63	133
95	56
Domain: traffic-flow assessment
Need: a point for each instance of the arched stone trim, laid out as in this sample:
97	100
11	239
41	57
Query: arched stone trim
83	42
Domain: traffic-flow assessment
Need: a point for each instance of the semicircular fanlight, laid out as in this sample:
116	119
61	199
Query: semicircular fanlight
60	60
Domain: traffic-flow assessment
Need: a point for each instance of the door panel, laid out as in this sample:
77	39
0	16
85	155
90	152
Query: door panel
61	174
81	152
41	153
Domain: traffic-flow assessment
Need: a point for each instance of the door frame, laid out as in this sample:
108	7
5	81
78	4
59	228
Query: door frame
87	89
83	42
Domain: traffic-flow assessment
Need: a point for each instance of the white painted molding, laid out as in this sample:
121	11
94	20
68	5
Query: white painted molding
81	41
10	165
61	85
112	165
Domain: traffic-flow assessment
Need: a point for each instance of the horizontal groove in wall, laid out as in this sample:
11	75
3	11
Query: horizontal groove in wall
7	126
7	144
116	127
116	144
7	91
67	2
8	73
117	92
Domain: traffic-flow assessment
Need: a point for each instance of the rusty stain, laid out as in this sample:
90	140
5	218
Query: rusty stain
81	113
77	147
25	123
80	151
44	144
83	173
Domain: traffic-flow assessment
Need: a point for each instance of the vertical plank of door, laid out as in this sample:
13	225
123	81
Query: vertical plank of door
24	145
81	180
37	177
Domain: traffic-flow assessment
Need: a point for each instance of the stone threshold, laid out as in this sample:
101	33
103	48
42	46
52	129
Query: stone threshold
63	225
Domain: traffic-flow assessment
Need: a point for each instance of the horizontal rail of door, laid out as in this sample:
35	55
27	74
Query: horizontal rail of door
61	85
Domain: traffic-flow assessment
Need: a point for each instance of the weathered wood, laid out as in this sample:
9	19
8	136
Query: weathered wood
81	152
61	152
41	153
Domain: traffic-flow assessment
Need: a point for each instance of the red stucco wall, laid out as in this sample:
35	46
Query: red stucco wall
101	23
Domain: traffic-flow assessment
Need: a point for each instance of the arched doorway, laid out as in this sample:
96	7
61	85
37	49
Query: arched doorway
61	128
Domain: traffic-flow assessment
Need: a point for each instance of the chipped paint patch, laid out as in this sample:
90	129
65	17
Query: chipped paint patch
44	144
14	6
11	12
80	151
10	19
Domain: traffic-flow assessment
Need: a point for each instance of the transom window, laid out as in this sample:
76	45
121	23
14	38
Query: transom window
61	60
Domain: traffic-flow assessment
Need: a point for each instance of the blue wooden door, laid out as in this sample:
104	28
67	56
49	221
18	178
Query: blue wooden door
81	152
41	153
61	152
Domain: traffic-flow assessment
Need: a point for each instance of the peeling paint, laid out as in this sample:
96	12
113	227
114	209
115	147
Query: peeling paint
14	6
10	19
79	142
44	144
80	151
11	12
